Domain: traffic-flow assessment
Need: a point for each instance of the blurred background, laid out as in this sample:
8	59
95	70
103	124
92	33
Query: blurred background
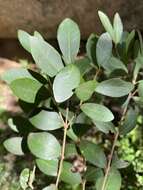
45	16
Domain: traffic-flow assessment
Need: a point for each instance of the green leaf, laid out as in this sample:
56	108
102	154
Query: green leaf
46	120
69	40
114	87
104	50
138	65
107	24
14	145
129	122
83	65
118	28
12	125
115	64
24	178
38	35
13	74
119	163
105	127
91	47
140	88
129	39
70	150
97	112
92	174
24	39
51	187
65	81
93	153
68	176
48	167
113	181
46	57
85	90
26	89
44	145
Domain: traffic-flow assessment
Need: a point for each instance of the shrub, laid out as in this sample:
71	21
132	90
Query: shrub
73	104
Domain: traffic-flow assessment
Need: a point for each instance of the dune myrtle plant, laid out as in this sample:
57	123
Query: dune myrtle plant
73	104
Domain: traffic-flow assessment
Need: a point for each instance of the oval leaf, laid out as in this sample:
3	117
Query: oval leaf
106	23
45	56
97	112
46	120
69	40
13	74
129	122
93	153
14	145
48	167
44	145
91	46
68	176
26	89
104	50
118	28
85	90
105	127
113	181
24	39
114	87
65	81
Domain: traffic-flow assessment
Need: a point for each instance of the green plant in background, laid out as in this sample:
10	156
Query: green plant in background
72	105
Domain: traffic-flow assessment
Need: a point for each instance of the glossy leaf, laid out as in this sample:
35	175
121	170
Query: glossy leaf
13	74
93	153
83	65
118	28
115	64
46	57
85	90
65	81
113	181
114	87
69	40
106	23
91	47
48	167
104	50
92	174
25	89
68	176
44	145
97	112
105	127
46	120
24	39
129	122
14	145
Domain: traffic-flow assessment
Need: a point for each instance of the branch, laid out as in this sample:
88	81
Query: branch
115	140
66	125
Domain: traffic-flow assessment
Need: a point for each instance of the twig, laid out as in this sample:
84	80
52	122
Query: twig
83	184
114	142
66	125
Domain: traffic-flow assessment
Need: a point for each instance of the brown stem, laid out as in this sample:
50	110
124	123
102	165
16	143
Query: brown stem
65	123
110	160
114	142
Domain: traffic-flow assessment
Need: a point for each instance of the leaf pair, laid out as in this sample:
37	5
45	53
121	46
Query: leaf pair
116	30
